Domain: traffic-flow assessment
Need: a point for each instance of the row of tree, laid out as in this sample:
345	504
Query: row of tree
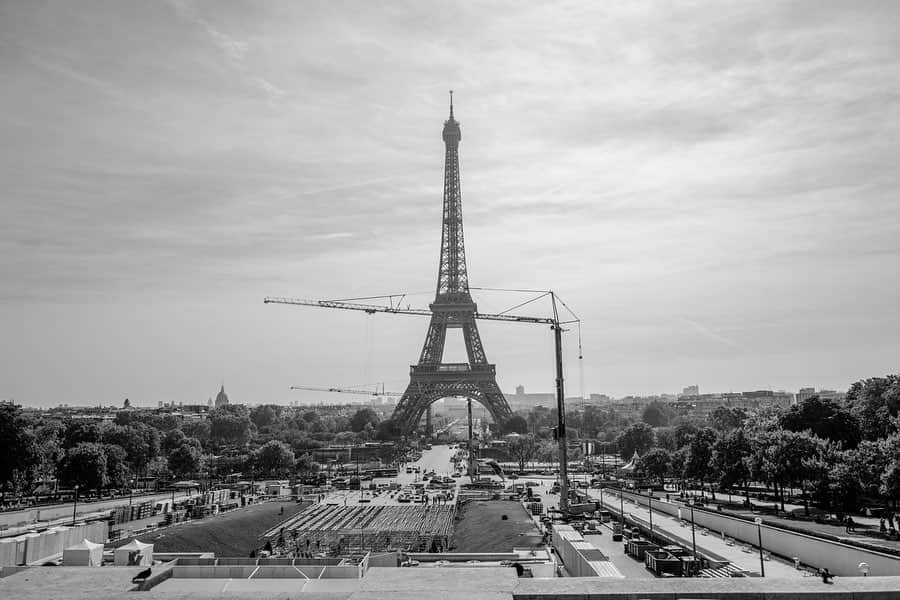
838	453
39	452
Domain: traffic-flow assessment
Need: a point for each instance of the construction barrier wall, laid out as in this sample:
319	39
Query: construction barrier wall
35	547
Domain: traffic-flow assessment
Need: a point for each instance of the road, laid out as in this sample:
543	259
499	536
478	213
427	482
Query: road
44	514
437	459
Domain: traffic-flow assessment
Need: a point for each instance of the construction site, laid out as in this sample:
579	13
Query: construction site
336	530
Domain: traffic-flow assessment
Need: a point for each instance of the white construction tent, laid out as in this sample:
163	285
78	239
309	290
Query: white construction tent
84	554
134	553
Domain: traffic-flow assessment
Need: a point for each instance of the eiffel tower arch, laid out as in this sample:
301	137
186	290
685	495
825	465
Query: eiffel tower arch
453	308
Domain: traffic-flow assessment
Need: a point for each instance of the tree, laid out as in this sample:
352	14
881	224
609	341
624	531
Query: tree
81	431
655	463
840	489
699	457
274	458
637	438
868	461
346	438
523	449
117	473
890	482
725	418
684	432
677	464
140	442
85	465
730	454
514	424
547	451
656	414
306	464
825	418
363	417
184	460
264	415
172	439
387	430
665	438
790	457
873	402
20	454
48	436
230	427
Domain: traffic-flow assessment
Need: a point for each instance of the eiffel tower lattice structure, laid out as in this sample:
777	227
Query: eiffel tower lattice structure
453	308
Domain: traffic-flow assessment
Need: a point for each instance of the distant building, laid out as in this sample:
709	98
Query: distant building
221	398
691	390
702	405
522	401
809	392
805	393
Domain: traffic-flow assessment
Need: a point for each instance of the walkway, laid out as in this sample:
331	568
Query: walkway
736	553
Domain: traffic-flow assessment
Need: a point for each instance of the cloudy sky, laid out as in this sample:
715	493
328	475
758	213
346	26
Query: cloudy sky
712	187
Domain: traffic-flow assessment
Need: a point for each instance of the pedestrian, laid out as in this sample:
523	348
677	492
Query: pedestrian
881	526
826	576
850	524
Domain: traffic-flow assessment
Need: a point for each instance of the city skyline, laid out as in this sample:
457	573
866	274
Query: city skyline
712	189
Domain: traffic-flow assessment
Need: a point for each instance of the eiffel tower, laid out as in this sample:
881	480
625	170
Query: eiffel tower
453	307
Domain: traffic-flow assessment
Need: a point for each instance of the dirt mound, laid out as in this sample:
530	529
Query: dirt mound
482	528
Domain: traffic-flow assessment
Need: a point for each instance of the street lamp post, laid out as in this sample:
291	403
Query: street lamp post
693	534
762	565
131	492
75	506
622	509
650	508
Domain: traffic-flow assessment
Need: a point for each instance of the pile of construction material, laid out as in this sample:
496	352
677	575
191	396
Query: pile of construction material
132	512
339	529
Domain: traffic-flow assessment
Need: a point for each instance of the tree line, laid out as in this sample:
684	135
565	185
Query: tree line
840	454
266	440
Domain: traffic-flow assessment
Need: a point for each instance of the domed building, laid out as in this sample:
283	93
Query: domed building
221	398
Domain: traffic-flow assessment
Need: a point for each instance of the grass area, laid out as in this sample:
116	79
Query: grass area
481	527
234	533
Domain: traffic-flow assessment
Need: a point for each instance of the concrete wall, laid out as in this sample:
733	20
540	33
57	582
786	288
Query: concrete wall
386	559
345	572
840	559
247	571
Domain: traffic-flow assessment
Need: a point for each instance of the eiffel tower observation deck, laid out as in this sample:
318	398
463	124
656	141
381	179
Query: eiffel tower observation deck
453	308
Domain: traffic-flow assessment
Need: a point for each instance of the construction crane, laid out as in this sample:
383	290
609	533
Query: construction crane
336	390
556	325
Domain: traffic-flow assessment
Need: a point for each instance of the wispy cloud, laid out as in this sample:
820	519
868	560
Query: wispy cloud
233	50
